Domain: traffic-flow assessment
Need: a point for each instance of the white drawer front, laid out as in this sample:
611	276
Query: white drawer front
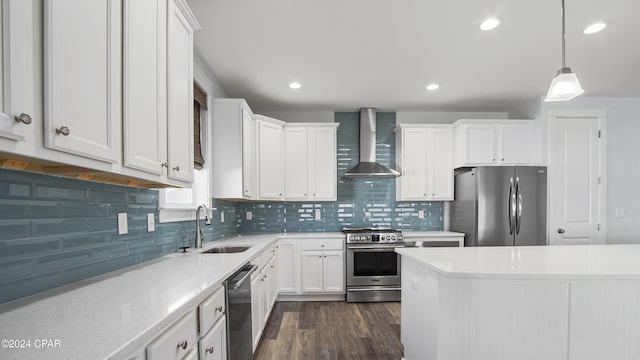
322	244
177	341
213	346
212	309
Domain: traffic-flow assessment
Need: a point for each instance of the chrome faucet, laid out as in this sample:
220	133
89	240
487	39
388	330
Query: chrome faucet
207	221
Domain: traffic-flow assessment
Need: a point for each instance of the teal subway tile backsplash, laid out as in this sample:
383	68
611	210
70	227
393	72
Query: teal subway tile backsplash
55	230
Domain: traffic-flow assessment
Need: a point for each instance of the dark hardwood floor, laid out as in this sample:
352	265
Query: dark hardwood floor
332	330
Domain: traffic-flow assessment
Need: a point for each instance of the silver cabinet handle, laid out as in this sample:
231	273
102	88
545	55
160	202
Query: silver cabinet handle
210	349
177	168
219	308
63	130
560	231
164	164
23	118
182	344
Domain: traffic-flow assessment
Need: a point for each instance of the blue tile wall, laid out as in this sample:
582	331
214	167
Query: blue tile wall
361	202
54	230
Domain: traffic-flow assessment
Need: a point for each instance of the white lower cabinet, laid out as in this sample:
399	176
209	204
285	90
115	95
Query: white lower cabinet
263	291
321	266
288	266
213	346
177	341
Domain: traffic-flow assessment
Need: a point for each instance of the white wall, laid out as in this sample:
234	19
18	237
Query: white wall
623	160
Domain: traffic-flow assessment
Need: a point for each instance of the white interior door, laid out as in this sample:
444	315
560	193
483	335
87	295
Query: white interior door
576	182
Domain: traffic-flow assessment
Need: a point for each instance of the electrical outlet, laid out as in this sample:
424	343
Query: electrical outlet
221	216
318	214
151	222
123	228
249	215
620	213
420	214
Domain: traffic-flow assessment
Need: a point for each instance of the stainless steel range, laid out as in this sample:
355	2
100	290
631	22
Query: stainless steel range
373	266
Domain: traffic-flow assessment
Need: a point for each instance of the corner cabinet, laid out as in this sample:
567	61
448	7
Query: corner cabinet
18	62
493	142
425	159
310	161
270	158
234	150
82	78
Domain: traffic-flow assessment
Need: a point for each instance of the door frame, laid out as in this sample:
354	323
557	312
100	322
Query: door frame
571	113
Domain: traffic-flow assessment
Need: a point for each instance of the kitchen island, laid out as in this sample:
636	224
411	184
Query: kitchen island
536	302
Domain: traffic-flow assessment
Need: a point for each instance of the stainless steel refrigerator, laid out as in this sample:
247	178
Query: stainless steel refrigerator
501	205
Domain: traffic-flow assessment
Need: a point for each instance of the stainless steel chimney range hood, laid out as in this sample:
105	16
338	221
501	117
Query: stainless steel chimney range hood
368	167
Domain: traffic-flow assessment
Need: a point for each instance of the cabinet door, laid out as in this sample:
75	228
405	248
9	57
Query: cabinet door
273	283
270	161
322	163
17	77
333	271
256	316
515	144
82	77
265	279
144	85
311	266
183	332
414	164
288	266
296	163
440	167
213	346
179	95
479	144
248	155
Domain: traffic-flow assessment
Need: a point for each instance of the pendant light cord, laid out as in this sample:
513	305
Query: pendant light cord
563	36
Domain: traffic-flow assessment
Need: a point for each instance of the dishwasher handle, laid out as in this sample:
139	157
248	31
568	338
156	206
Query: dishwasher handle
251	269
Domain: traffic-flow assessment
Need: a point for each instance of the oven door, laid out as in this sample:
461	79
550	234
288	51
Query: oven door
371	266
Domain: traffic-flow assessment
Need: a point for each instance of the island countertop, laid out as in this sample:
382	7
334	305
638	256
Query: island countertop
531	262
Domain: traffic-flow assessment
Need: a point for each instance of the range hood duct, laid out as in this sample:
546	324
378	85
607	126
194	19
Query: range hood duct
368	167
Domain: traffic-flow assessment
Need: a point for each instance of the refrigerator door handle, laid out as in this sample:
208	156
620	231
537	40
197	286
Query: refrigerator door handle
511	206
518	214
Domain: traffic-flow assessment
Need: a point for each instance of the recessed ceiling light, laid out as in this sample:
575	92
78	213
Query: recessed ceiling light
295	85
431	87
594	28
489	24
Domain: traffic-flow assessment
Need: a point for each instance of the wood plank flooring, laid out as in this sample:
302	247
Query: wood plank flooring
332	330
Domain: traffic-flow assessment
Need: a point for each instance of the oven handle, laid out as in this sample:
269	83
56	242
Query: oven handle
369	248
375	288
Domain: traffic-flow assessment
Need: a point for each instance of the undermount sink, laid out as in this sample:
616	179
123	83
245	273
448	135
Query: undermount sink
226	249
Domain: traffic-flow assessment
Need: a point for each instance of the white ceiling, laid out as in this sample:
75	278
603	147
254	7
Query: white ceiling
349	54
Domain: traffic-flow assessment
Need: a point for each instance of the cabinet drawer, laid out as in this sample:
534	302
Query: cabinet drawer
212	309
213	345
267	254
177	341
322	244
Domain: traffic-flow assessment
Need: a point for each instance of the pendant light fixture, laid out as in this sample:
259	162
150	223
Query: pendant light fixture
565	86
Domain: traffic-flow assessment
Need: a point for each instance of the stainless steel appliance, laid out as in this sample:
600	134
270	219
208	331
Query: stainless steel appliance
238	301
501	205
373	266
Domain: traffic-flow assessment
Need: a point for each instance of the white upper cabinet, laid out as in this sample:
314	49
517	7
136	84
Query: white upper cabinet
17	64
270	158
234	150
424	157
82	78
180	27
145	83
310	162
493	142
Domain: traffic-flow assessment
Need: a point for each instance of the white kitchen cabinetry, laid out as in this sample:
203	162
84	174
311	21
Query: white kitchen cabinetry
234	150
270	158
17	65
213	346
288	266
493	142
263	282
82	78
425	159
310	161
177	341
322	265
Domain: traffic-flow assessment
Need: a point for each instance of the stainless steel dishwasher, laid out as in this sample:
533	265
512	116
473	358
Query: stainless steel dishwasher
238	300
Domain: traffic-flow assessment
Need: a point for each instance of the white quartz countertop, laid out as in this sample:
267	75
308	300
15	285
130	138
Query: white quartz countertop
114	314
531	262
430	234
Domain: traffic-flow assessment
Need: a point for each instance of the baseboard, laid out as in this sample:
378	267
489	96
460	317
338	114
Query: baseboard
311	297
